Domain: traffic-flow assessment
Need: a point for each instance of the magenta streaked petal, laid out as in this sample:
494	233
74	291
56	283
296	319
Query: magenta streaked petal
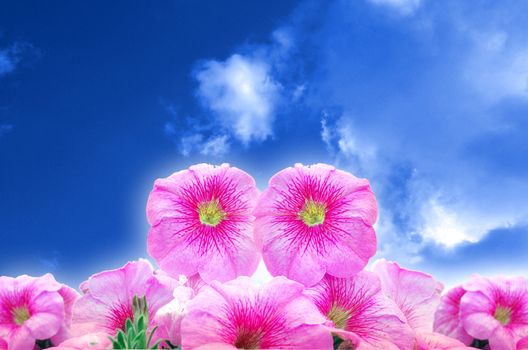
315	220
34	308
358	305
447	316
242	314
202	222
496	309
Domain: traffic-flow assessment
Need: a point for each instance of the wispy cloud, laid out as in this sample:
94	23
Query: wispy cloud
7	63
420	129
12	55
242	94
5	129
405	7
196	143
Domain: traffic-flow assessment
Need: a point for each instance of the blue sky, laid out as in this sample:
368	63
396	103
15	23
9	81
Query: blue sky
429	100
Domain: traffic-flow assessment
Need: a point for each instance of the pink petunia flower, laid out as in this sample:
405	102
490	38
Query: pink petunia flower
95	341
358	308
34	308
496	309
417	294
107	300
169	317
245	315
202	222
314	220
447	316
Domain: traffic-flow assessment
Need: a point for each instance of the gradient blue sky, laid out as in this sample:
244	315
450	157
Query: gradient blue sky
427	99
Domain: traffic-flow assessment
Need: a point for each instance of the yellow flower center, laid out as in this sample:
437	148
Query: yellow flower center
21	315
338	316
313	213
503	315
211	213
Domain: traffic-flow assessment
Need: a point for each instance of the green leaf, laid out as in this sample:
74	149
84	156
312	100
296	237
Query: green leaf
121	339
141	323
140	340
151	335
156	345
129	326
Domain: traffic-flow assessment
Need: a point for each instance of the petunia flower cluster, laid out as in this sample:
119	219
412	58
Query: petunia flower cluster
313	229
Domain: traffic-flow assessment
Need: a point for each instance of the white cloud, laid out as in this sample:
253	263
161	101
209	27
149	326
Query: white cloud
215	146
420	121
189	143
405	7
7	64
196	143
243	95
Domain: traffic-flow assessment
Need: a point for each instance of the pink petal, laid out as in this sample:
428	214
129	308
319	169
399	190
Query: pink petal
415	293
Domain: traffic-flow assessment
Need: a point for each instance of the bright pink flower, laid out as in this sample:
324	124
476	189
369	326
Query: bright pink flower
202	222
496	309
316	220
358	308
34	308
522	344
107	300
95	341
417	294
245	315
447	317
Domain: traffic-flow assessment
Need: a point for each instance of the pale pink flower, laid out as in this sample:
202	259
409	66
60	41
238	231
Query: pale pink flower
202	222
34	308
417	294
243	314
437	341
358	308
107	300
169	317
314	220
94	341
496	309
447	316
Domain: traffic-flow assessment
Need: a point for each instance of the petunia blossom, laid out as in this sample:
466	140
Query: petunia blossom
34	309
245	315
447	317
417	294
313	220
358	308
496	309
169	317
107	300
202	222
